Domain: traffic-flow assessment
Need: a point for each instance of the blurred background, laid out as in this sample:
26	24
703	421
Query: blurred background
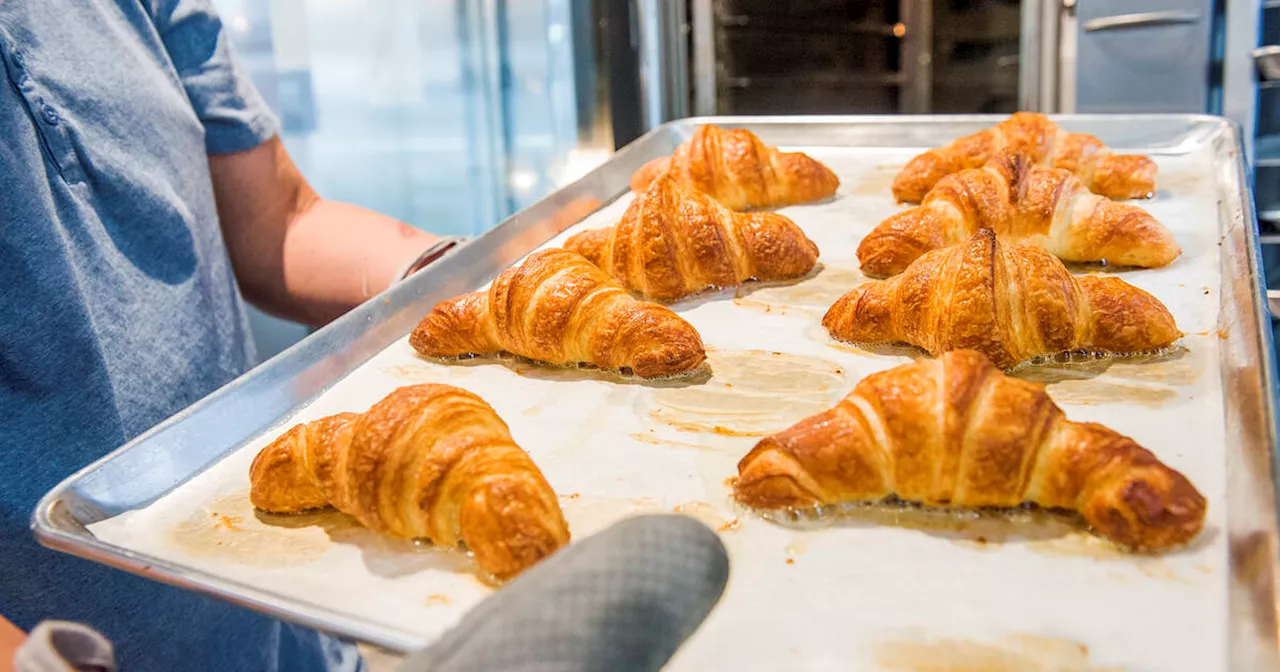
452	114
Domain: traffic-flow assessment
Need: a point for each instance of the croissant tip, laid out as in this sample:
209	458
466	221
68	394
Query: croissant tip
832	315
773	493
668	362
511	524
879	257
423	341
1151	513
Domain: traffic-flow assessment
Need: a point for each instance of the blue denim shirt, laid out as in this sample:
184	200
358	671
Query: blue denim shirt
118	306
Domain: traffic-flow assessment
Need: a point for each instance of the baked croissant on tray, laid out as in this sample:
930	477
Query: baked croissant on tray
559	308
1020	201
734	167
674	241
426	462
1009	302
1103	172
956	432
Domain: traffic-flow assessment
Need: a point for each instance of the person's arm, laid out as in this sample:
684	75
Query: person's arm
10	639
295	254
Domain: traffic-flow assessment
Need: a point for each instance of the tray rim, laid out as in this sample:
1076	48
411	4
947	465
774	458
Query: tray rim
56	526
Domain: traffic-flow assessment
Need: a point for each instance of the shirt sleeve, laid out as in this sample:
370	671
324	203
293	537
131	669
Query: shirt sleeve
235	116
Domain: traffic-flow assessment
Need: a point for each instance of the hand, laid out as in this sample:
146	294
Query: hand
10	639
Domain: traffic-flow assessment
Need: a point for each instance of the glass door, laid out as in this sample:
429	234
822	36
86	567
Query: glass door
446	114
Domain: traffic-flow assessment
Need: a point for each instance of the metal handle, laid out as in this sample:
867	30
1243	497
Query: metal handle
1142	20
1268	60
437	250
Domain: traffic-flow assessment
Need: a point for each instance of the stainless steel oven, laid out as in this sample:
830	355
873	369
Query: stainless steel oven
958	56
945	56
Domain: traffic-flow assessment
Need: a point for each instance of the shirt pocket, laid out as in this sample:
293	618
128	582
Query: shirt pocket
55	135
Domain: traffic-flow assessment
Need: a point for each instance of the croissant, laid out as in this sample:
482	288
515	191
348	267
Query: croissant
1009	302
674	241
1104	173
737	169
557	307
1019	200
427	462
956	432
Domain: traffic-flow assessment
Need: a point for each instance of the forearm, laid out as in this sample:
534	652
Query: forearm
335	256
296	255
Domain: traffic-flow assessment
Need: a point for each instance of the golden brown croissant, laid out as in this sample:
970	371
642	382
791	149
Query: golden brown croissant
558	307
1104	173
674	241
1009	302
427	462
1047	207
737	169
956	432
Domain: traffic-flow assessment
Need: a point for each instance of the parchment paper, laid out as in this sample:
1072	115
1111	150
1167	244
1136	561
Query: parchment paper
863	593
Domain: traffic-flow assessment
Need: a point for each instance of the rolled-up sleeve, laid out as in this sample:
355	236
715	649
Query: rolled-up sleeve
235	116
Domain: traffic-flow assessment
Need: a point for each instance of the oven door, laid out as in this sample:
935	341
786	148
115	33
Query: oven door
1136	55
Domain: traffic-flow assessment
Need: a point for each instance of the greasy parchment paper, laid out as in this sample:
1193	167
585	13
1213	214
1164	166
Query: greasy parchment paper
884	590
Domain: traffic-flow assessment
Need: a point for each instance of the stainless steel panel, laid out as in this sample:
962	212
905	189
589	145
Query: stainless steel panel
703	46
917	57
1069	58
1031	46
664	60
191	441
1143	56
1239	90
1038	71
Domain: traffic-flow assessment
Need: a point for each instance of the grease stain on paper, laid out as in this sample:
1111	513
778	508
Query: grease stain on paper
653	439
230	529
818	333
812	294
1017	653
875	183
458	367
708	515
588	514
1043	531
1084	544
982	529
423	372
751	393
1150	381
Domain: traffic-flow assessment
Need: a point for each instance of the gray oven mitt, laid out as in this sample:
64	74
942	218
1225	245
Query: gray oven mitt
62	646
621	601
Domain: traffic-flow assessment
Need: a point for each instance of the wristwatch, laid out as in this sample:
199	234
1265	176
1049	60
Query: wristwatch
436	251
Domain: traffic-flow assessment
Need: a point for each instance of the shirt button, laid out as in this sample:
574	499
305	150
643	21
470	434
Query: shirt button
50	115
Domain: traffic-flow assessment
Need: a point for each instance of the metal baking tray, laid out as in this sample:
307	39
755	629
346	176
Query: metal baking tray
1242	606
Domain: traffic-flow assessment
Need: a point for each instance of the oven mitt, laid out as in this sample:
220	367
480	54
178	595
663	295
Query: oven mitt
63	646
622	600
